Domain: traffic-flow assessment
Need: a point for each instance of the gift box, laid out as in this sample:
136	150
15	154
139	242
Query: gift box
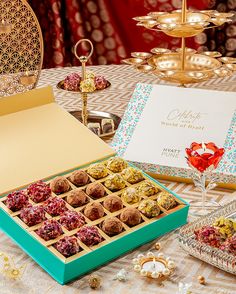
40	141
161	121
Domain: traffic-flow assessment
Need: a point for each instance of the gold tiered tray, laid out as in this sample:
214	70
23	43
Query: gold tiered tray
184	65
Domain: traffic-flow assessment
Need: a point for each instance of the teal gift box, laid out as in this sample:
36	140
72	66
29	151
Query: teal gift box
50	142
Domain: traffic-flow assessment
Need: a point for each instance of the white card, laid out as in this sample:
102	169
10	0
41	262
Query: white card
173	118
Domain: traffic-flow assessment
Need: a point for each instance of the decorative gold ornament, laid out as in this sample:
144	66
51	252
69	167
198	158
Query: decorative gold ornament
156	267
184	65
201	280
21	47
8	268
157	246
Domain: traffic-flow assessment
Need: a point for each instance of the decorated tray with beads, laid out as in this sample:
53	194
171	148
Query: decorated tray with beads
79	241
213	238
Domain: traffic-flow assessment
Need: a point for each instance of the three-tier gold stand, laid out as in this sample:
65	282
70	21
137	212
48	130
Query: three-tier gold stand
184	65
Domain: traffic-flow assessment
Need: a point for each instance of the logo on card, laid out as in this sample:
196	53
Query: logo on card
170	152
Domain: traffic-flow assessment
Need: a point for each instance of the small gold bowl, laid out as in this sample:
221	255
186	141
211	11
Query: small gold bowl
142	55
231	66
209	12
149	23
223	72
223	14
145	68
134	61
218	21
159	51
213	54
187	50
228	60
156	14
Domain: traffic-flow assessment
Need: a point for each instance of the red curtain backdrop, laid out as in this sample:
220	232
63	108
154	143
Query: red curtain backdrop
109	25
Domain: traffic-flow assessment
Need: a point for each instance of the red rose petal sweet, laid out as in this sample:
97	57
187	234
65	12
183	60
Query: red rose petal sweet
67	246
72	82
55	206
17	200
72	220
39	191
89	235
209	235
49	230
32	215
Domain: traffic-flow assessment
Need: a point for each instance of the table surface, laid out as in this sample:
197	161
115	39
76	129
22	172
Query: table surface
36	281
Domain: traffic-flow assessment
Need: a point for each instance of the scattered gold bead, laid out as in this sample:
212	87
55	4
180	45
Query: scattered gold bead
157	246
94	282
201	280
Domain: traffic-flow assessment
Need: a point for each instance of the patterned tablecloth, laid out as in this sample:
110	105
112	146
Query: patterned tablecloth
37	281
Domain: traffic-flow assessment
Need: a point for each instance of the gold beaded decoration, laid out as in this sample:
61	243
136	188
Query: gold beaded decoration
21	47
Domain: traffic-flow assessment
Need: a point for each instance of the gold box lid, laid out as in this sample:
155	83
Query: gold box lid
39	140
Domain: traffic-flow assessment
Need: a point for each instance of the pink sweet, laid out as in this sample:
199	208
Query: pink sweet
72	220
72	82
32	215
89	235
49	230
39	191
209	235
17	200
55	206
100	82
67	246
229	245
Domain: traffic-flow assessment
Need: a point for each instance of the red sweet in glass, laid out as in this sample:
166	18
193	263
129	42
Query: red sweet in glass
89	235
72	82
55	206
100	82
39	191
230	245
208	235
17	200
32	215
72	220
211	155
67	246
49	230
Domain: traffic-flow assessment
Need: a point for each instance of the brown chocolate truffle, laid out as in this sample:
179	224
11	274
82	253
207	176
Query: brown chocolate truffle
60	185
77	198
113	203
112	226
94	211
130	216
79	178
96	190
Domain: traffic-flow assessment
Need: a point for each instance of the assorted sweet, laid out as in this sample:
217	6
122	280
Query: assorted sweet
77	198
95	128
208	235
115	182
79	178
149	208
55	206
108	125
87	86
16	200
130	216
49	230
226	227
131	195
95	190
230	245
166	200
89	235
100	82
221	234
32	215
60	185
112	226
113	203
94	211
72	220
132	175
72	82
39	191
68	246
147	188
97	171
116	164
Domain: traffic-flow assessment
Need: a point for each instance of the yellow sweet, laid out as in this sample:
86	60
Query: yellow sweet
149	208
115	182
147	188
130	195
166	200
97	171
226	227
87	86
116	164
132	175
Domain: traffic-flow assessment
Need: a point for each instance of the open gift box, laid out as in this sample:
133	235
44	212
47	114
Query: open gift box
39	140
161	121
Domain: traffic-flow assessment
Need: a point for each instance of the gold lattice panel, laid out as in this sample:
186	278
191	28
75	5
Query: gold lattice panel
21	49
